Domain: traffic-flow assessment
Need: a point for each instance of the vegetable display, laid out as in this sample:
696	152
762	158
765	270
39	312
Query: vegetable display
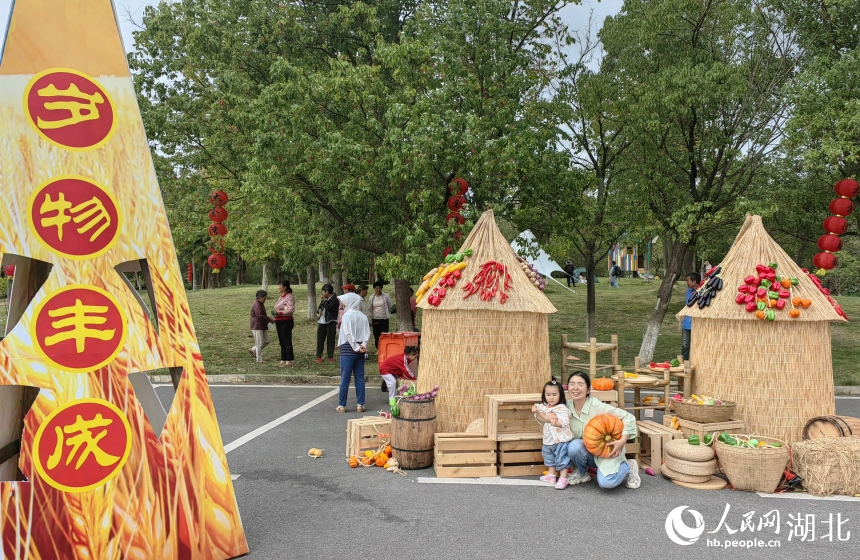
493	279
767	292
711	286
599	432
534	276
449	272
826	292
704	399
410	392
747	442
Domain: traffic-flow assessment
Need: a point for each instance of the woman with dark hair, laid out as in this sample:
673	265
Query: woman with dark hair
380	305
327	323
612	470
397	367
284	309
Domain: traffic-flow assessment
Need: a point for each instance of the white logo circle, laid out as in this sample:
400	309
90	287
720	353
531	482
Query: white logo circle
679	532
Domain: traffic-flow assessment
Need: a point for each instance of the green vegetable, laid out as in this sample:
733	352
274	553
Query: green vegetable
765	283
693	440
754	442
776	445
708	439
770	315
450	258
794	281
761	306
675	363
468	252
727	439
459	257
395	410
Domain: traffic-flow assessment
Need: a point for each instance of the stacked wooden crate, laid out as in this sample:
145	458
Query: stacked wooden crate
689	428
464	455
510	422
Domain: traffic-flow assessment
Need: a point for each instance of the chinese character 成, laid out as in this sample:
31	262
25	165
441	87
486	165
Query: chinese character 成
83	110
85	437
77	317
91	210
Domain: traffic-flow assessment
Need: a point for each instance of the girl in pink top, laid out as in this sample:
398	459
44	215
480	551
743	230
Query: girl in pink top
284	309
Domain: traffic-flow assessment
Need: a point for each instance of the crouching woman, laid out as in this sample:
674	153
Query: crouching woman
612	470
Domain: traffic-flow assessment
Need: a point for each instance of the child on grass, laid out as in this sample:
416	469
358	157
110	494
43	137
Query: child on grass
555	434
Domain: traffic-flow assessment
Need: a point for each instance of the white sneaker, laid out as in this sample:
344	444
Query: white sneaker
633	480
577	478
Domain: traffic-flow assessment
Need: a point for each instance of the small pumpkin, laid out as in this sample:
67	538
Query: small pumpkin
387	450
381	459
353	461
760	314
806	303
603	384
794	313
600	431
368	453
797	301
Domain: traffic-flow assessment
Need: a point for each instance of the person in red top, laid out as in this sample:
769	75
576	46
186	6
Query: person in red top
397	366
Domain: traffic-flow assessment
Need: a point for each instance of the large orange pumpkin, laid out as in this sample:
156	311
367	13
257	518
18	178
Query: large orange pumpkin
603	384
600	431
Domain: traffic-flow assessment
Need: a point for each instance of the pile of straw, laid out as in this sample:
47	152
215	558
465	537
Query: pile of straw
471	348
779	373
829	465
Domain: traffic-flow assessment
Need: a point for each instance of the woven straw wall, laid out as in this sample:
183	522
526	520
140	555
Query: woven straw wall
469	354
779	373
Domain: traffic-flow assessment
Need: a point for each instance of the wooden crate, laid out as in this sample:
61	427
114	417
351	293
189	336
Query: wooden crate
653	437
521	457
688	427
511	414
464	455
366	433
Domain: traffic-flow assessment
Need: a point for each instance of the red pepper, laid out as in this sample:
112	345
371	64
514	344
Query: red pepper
443	292
457	274
741	299
750	297
761	292
743	289
771	276
750	280
780	304
751	306
784	294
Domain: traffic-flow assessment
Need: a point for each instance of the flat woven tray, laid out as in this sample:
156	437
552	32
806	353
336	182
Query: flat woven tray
641	380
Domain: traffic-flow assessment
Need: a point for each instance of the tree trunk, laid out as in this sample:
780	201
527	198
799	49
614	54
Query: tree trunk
591	299
338	282
204	278
324	272
668	246
265	283
689	263
664	297
312	294
401	300
193	276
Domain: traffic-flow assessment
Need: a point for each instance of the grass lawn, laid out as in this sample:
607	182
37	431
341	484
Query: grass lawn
221	320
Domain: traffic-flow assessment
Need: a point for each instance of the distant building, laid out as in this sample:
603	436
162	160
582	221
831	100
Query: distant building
626	254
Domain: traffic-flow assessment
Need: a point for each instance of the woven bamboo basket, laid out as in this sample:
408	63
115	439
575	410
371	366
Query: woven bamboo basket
829	465
471	348
779	373
757	470
705	413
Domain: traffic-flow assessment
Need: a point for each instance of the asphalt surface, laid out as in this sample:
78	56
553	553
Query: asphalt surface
295	507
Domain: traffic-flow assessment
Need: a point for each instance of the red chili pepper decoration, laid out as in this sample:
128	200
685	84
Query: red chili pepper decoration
493	279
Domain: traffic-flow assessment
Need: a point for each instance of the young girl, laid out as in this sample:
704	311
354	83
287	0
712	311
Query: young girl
555	434
398	366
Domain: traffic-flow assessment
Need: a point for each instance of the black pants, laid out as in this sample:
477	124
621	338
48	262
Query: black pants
379	326
325	336
570	281
285	338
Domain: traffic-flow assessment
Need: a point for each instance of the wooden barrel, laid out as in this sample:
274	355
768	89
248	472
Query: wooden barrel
831	426
412	434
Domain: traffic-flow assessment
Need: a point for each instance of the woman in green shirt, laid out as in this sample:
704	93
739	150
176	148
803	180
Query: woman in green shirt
612	470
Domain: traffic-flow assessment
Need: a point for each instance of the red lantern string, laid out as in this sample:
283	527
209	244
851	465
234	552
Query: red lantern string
835	225
217	230
456	202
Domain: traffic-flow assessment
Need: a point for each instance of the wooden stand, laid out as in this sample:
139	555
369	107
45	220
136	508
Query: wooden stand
689	428
510	417
593	348
653	438
637	387
462	455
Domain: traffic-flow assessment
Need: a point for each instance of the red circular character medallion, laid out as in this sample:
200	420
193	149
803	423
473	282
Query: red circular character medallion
69	109
79	328
81	445
74	217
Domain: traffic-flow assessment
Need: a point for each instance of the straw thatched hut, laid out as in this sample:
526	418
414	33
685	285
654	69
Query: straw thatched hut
472	348
779	372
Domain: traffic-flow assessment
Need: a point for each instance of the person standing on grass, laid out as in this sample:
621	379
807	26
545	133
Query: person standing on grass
365	306
569	270
693	281
284	309
354	334
615	273
259	325
327	323
347	289
380	306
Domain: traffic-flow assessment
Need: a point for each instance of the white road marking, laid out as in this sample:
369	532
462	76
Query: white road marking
277	422
266	386
234	476
493	480
805	496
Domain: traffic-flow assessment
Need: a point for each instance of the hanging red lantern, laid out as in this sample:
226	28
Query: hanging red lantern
218	214
847	187
458	187
826	261
190	275
456	216
830	243
841	207
448	250
836	225
456	203
218	198
216	245
217	229
9	270
217	261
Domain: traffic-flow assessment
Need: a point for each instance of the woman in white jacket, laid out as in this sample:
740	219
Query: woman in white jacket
354	334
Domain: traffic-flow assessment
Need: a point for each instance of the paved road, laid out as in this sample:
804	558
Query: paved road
296	507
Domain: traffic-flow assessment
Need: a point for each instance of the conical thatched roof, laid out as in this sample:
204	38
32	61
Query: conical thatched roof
488	244
754	246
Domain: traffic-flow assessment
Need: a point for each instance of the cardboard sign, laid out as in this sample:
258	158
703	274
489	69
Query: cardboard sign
81	202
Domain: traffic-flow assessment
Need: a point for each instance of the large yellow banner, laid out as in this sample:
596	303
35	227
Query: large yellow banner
89	467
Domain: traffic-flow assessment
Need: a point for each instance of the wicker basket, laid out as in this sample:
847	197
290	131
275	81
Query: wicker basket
757	470
705	413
